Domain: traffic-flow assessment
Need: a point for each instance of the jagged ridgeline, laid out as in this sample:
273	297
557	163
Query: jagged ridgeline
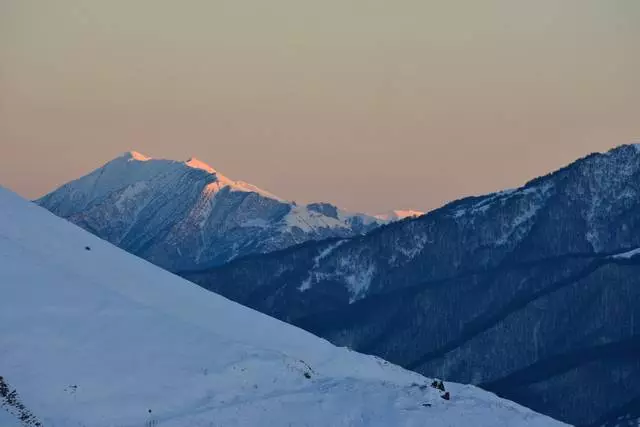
533	293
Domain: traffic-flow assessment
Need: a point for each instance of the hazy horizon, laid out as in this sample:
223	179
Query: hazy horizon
370	105
305	200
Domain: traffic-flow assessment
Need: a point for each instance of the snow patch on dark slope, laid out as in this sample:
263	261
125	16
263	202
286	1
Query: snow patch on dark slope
93	336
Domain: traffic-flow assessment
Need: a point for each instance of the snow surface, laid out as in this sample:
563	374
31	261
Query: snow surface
133	169
8	420
199	164
627	255
309	281
307	220
134	155
92	336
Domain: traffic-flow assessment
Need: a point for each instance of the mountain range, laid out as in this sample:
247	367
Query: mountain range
532	293
184	215
93	336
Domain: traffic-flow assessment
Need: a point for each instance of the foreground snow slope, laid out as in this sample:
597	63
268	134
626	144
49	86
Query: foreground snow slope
101	338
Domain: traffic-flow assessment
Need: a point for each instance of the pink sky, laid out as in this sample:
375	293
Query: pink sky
372	105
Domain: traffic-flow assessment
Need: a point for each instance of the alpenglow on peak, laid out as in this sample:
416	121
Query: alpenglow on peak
183	215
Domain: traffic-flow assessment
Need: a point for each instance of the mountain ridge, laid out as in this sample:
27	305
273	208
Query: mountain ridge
530	258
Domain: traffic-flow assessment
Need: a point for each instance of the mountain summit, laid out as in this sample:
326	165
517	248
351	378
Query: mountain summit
183	215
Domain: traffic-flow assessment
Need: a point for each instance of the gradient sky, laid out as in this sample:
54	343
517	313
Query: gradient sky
370	104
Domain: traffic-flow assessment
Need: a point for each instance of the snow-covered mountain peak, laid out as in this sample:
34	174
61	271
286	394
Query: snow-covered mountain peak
183	214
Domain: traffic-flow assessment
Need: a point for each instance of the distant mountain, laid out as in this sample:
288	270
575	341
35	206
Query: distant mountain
183	215
532	293
397	215
92	336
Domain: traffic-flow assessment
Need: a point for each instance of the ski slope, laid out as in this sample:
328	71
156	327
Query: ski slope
92	336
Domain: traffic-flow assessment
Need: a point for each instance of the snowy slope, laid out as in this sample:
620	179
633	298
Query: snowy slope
183	215
101	338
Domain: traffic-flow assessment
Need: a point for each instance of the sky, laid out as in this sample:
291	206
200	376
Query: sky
370	104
